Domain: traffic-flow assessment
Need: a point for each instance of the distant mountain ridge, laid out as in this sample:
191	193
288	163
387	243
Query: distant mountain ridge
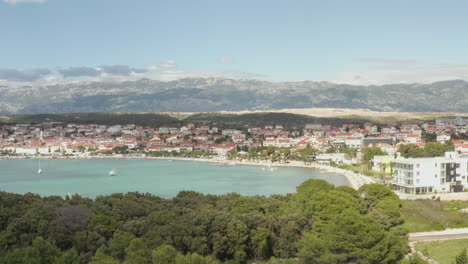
219	94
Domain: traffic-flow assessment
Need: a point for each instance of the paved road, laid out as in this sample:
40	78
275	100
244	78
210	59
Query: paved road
439	235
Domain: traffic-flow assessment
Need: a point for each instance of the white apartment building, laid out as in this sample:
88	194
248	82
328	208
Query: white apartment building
431	175
353	142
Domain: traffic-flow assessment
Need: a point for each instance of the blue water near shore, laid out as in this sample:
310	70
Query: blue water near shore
90	177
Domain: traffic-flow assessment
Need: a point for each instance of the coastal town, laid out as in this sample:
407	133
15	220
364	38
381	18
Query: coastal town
344	147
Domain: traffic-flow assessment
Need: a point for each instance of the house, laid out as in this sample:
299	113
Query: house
412	138
228	132
222	150
326	158
461	145
372	128
442	137
353	142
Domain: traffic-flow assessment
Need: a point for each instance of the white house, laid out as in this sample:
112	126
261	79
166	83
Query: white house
26	150
442	137
222	150
326	158
353	142
412	138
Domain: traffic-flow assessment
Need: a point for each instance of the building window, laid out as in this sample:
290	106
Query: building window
435	164
435	176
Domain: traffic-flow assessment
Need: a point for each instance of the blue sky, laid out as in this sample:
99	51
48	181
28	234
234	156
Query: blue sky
343	41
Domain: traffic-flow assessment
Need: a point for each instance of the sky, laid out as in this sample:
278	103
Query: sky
356	42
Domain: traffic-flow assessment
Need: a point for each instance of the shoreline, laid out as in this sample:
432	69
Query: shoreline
355	180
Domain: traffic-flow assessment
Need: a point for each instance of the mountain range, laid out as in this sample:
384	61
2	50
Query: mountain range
221	94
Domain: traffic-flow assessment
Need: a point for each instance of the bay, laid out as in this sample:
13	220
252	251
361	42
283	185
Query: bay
90	177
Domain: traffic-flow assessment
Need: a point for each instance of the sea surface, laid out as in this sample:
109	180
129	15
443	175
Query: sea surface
90	177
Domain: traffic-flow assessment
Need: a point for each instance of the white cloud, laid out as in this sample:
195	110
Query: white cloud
405	73
387	61
14	2
27	75
169	64
225	60
171	75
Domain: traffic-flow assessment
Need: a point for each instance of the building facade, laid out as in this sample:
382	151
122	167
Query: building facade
431	175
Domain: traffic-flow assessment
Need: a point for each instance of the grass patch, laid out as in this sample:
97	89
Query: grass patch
442	251
431	215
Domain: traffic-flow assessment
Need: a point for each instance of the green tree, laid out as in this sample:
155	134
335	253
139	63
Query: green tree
351	237
80	148
434	149
47	252
137	252
236	239
120	149
307	152
69	257
102	258
262	243
462	258
383	204
26	255
119	242
194	259
370	152
164	255
243	205
414	260
411	151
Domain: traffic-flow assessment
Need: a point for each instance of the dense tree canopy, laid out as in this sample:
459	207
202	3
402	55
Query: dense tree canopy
320	223
431	149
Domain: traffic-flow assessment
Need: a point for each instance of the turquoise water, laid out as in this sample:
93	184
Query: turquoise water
90	177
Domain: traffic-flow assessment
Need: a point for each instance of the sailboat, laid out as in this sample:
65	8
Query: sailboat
39	171
112	172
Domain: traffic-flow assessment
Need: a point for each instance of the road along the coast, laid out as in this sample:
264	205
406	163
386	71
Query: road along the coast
447	234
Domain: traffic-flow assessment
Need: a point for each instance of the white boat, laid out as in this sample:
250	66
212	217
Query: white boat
113	172
39	170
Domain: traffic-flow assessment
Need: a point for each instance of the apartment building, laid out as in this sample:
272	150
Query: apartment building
431	175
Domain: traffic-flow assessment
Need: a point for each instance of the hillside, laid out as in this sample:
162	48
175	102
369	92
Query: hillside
290	118
216	94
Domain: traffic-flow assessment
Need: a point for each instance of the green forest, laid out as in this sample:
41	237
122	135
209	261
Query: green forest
320	223
289	121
